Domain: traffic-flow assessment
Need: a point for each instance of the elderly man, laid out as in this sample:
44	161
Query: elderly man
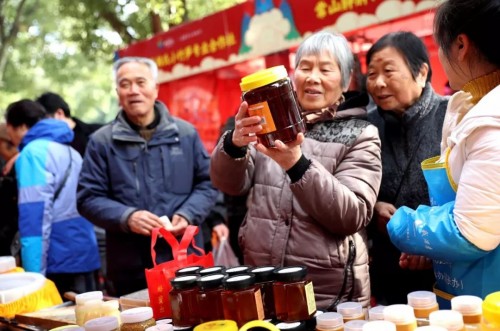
144	165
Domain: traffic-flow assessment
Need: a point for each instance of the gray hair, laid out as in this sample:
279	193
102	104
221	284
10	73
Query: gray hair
150	63
334	44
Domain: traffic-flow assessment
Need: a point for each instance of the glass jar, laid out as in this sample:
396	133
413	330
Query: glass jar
183	298
264	277
329	322
402	316
188	271
293	294
137	319
106	323
470	307
218	269
351	311
239	270
270	95
209	298
423	303
88	306
242	299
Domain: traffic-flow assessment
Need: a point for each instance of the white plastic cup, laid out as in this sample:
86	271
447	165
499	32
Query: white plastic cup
423	303
470	306
379	326
106	323
329	321
351	311
376	313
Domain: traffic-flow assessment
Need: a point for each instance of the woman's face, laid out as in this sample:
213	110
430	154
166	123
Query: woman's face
390	82
16	134
317	81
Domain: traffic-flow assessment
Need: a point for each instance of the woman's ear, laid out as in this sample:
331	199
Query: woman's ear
463	46
422	75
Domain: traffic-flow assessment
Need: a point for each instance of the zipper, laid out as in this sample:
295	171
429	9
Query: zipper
136	180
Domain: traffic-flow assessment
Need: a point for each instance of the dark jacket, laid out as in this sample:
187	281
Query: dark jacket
82	132
123	173
8	211
406	142
319	220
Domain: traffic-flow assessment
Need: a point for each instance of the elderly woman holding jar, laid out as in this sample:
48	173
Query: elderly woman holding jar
409	116
461	231
313	197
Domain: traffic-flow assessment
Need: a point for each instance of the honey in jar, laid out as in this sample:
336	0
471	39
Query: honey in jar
183	300
270	95
264	277
209	298
293	294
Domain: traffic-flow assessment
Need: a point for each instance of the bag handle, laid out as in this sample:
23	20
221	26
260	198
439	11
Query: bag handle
179	250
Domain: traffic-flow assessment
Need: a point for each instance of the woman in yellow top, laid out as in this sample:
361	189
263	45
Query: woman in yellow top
461	233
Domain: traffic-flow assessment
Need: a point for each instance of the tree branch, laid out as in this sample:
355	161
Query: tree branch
117	25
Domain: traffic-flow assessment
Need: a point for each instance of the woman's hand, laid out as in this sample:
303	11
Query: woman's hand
414	262
286	155
383	213
245	127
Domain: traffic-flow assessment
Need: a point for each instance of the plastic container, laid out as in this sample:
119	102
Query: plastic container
430	328
423	303
351	311
379	326
451	320
209	298
376	313
218	325
188	271
183	300
242	299
106	323
293	295
294	326
402	316
491	312
470	307
137	319
329	322
7	264
270	95
264	277
161	327
88	306
354	325
68	328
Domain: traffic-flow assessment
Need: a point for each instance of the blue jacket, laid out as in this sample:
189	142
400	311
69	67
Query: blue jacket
54	237
123	173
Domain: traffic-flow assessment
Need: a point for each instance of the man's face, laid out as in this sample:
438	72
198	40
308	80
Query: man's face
137	91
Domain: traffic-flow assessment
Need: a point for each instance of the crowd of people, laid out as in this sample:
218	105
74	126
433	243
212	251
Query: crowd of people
391	183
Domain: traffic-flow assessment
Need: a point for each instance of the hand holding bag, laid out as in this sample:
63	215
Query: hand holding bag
158	278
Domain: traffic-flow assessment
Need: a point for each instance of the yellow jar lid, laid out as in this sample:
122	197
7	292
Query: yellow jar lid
259	324
218	325
263	77
491	308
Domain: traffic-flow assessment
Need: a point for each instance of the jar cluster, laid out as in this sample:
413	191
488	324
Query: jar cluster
241	294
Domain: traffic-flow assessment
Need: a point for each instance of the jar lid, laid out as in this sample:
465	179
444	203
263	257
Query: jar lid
399	314
106	323
329	320
376	313
239	282
7	263
239	270
294	326
218	269
491	308
218	325
263	77
259	324
450	319
290	274
87	296
263	274
350	309
188	271
184	282
354	325
210	281
136	315
161	327
430	328
467	304
164	321
379	326
422	299
67	327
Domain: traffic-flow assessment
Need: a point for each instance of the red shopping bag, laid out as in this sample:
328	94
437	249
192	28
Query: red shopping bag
158	278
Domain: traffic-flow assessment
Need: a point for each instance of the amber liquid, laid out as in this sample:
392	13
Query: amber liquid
424	312
243	306
184	307
472	319
210	305
268	300
285	111
406	327
291	302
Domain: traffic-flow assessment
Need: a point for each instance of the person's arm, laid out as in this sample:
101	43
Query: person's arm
36	189
464	229
93	200
343	202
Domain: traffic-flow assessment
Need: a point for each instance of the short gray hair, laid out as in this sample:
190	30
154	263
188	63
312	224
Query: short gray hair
334	44
150	63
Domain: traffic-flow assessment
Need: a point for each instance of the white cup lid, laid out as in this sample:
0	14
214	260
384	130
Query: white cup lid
376	313
379	326
161	327
329	320
136	315
106	323
87	296
350	309
354	325
399	314
422	299
7	263
467	304
449	319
